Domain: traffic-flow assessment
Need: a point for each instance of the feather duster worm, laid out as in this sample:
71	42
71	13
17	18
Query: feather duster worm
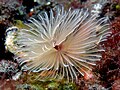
61	44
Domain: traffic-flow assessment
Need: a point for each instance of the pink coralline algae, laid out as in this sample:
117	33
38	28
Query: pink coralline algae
109	66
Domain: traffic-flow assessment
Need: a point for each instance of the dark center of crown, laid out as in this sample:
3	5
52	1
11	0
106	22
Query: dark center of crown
58	47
